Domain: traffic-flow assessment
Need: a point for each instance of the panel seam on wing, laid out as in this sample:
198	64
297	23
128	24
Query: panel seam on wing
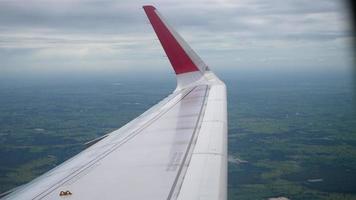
180	176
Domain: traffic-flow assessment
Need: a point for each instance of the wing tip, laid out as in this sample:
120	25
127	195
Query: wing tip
180	55
148	7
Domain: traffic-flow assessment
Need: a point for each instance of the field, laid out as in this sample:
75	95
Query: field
295	136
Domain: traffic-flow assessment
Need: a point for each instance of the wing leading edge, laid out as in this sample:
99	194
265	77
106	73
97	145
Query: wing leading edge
175	150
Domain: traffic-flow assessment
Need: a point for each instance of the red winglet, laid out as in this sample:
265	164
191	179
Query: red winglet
179	59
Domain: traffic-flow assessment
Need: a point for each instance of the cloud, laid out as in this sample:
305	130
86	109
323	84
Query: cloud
94	35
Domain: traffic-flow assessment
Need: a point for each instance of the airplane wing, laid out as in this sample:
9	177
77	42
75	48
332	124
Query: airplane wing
175	150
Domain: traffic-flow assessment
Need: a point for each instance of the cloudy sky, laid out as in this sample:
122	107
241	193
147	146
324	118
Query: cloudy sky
114	35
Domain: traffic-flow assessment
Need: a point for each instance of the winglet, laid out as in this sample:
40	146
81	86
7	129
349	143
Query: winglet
182	58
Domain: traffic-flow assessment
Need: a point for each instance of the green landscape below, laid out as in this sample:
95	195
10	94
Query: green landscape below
290	135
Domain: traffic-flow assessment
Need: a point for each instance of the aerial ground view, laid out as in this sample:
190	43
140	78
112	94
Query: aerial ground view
287	66
290	135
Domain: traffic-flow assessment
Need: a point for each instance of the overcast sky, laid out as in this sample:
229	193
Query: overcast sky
102	36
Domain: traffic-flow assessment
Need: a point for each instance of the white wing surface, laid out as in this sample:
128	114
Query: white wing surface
175	150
